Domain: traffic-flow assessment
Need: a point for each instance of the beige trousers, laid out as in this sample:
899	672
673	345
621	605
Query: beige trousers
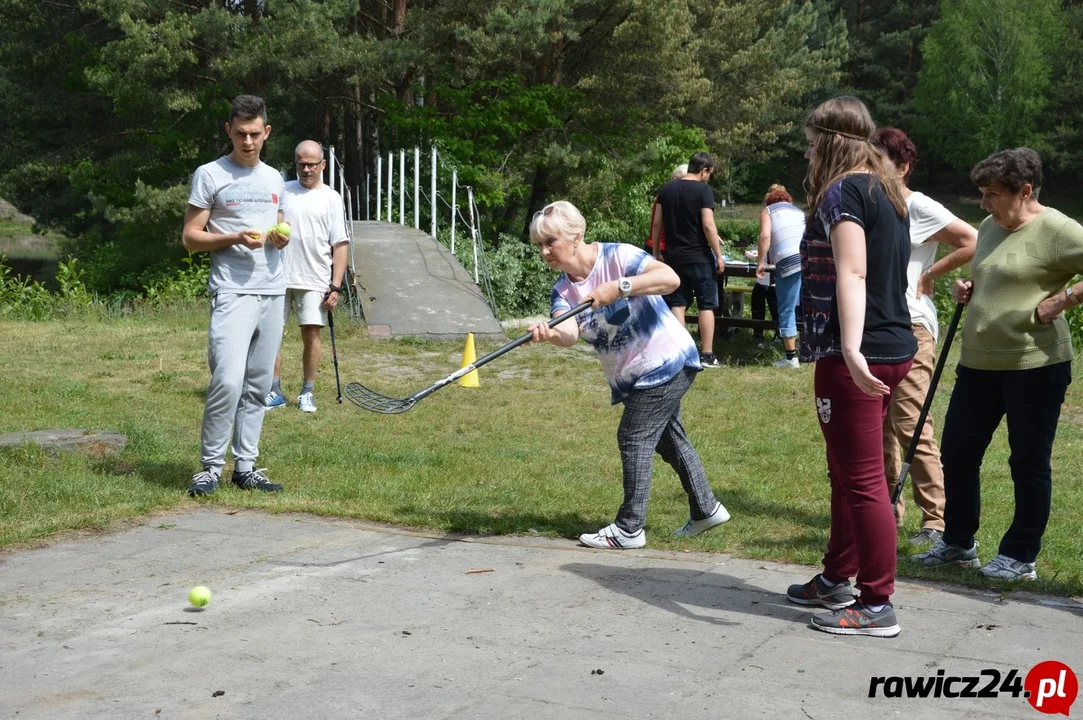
926	474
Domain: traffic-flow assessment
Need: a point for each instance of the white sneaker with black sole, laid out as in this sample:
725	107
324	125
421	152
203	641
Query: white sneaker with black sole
612	537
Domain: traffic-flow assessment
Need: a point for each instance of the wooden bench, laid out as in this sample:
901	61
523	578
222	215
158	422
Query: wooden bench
731	309
722	320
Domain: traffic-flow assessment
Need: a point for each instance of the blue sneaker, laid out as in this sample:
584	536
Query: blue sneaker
274	400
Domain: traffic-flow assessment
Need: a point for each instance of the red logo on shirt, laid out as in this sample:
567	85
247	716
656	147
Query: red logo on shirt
274	198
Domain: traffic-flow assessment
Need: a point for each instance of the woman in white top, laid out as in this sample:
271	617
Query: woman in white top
931	224
781	226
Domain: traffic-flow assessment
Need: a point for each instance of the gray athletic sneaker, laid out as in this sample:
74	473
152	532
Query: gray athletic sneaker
1003	567
925	536
859	619
943	554
815	592
204	482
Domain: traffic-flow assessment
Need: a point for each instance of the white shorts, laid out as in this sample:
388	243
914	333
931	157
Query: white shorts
306	304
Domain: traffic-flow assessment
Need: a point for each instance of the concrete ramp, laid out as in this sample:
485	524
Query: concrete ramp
412	286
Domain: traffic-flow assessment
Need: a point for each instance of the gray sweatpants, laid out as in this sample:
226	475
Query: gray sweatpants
652	423
242	342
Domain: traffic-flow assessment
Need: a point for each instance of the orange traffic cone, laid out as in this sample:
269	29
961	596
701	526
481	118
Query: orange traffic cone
469	356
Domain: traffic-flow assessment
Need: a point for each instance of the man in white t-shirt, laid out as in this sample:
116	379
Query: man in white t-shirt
315	263
931	224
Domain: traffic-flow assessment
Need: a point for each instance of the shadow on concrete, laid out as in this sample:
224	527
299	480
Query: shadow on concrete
487	524
680	591
367	556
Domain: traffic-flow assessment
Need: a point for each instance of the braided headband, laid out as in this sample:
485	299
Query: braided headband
831	131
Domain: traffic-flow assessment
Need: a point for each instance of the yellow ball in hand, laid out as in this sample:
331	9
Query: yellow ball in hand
283	229
199	596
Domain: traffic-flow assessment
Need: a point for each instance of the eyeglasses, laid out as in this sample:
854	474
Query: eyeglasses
307	166
547	211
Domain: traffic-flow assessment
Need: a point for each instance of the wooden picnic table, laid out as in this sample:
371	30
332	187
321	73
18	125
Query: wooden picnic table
730	310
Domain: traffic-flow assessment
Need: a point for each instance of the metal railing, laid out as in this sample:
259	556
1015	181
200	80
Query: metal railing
455	216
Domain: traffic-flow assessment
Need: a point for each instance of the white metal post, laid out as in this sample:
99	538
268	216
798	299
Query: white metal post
473	229
402	187
379	186
390	184
331	166
417	189
433	193
454	187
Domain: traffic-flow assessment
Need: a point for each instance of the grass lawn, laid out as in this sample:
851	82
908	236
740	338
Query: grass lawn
531	451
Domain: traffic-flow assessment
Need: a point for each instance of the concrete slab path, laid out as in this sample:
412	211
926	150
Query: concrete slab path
412	286
321	618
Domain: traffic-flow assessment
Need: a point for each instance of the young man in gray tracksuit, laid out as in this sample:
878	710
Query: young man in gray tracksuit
232	203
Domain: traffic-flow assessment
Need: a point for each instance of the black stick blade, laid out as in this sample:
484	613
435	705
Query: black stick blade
361	396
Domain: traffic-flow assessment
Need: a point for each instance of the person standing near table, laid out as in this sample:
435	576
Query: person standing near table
693	248
781	226
660	242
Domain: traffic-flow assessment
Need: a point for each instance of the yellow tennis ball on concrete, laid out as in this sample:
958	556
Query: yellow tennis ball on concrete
199	596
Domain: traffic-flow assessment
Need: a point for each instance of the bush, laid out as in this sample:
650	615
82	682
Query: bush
521	280
23	298
738	234
182	286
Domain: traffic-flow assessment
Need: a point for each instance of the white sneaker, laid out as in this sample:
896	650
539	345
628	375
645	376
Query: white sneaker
695	527
305	402
612	537
792	363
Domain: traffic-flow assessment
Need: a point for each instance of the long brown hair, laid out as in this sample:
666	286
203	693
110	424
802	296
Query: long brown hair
840	132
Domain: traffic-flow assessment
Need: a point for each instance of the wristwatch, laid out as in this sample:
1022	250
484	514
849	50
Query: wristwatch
335	288
1070	293
625	286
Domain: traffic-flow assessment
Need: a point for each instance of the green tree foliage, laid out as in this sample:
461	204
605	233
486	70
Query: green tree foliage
987	74
108	105
885	54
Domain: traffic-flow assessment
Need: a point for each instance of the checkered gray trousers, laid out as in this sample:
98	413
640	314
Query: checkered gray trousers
652	422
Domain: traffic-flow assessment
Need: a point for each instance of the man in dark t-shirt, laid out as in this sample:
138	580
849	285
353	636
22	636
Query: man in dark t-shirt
693	248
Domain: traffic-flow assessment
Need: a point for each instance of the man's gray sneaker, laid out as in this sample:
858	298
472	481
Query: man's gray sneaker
254	480
815	592
1003	567
204	482
859	619
925	536
943	554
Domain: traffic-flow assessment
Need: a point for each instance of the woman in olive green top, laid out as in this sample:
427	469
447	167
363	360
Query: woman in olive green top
1016	361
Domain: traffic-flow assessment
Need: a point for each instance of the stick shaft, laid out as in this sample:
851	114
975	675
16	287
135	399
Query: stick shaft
925	406
334	352
522	340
